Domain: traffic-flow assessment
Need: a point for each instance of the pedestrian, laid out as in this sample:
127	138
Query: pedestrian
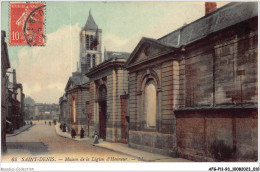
45	122
95	137
73	133
81	133
50	123
64	128
61	126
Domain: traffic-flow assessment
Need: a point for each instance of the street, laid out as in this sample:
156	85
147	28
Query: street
40	143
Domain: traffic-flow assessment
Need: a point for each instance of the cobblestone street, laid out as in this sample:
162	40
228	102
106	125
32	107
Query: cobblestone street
40	143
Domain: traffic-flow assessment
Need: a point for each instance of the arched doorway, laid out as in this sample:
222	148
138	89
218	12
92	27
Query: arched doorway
102	99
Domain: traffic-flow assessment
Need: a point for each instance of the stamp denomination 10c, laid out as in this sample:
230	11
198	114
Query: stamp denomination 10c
27	23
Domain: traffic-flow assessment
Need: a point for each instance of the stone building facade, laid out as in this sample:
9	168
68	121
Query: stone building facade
63	109
77	88
76	93
43	111
203	82
106	105
151	90
15	102
96	94
5	64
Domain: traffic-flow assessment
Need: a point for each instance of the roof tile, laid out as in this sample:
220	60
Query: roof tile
217	20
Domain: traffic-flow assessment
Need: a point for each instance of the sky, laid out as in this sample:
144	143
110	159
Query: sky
44	71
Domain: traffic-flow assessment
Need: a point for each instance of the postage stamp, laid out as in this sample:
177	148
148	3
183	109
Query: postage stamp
113	86
27	23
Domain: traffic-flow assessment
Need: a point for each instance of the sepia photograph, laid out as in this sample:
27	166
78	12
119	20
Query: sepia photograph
140	82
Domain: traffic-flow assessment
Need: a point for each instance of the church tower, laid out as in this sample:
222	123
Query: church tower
90	45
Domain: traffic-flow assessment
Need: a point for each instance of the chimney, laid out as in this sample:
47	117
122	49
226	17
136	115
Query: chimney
209	7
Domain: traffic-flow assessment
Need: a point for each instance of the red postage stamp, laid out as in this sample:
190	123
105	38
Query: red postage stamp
27	25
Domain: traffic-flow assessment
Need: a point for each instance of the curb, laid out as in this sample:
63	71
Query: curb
10	135
137	157
117	151
62	135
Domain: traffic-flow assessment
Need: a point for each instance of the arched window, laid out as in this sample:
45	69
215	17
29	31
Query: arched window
88	61
93	60
150	105
87	42
91	41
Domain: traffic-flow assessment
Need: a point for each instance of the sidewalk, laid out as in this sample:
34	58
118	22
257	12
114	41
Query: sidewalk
67	135
124	149
18	131
138	154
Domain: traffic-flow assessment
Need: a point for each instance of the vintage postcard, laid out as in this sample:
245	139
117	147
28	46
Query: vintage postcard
129	82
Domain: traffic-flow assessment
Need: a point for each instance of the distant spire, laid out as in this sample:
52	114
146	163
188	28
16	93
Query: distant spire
90	24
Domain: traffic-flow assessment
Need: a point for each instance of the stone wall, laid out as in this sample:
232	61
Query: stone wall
220	81
223	68
80	96
116	84
63	112
162	138
152	142
220	135
111	88
236	68
124	118
90	107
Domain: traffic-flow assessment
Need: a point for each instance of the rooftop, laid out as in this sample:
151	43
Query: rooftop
113	54
228	15
90	24
79	79
62	98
